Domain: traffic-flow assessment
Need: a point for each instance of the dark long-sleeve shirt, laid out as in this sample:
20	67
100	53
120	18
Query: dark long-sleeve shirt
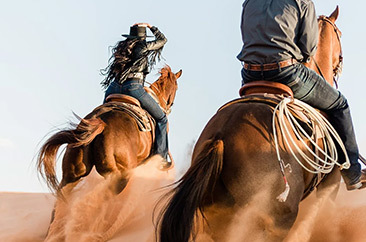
277	30
141	50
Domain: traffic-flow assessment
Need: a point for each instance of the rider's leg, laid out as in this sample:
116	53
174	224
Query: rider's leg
311	88
314	90
136	90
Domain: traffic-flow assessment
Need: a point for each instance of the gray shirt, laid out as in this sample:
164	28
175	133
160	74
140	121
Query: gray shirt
277	30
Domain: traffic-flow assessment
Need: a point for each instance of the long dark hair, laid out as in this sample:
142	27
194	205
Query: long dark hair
120	62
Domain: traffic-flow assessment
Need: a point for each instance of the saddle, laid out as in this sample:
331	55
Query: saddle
260	87
123	98
132	106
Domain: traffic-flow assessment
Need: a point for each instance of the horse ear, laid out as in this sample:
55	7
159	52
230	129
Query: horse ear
178	74
333	17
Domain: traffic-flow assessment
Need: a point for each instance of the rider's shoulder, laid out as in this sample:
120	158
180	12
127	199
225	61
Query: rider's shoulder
306	3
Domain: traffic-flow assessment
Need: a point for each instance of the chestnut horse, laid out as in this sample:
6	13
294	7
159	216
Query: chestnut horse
229	192
107	138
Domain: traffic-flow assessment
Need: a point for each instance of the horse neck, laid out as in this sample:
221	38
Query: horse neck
324	55
159	94
164	91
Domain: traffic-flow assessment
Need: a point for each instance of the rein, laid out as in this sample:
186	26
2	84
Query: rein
338	69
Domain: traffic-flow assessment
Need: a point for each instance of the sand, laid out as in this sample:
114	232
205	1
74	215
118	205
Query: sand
92	213
24	216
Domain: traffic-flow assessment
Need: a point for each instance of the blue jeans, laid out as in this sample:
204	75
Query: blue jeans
135	89
312	89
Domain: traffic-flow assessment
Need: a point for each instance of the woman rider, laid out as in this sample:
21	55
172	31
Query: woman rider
129	64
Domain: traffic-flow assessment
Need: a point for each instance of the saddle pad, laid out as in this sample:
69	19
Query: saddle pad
272	100
143	119
117	97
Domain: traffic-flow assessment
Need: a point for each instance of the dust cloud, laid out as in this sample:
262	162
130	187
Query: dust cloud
320	219
93	213
340	220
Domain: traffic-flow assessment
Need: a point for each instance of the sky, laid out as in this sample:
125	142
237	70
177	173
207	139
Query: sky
51	53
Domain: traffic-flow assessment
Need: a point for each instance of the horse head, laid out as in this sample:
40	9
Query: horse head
328	60
165	88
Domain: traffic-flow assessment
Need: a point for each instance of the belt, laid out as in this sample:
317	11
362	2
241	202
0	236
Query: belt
270	66
136	75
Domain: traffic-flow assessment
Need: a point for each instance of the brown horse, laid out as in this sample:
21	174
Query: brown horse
230	192
107	138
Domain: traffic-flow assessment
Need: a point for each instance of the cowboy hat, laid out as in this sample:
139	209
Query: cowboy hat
136	32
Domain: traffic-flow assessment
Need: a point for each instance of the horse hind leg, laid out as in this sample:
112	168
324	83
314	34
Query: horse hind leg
119	181
118	177
116	172
75	165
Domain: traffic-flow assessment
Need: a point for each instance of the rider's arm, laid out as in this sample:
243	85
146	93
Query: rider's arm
308	32
159	41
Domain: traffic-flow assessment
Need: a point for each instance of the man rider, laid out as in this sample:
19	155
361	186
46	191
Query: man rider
278	35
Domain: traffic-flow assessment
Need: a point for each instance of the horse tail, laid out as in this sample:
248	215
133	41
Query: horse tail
177	219
78	135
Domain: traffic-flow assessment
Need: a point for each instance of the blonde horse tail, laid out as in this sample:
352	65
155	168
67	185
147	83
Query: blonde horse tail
76	137
177	220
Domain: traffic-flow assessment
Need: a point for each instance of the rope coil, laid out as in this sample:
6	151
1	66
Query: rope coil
289	128
282	113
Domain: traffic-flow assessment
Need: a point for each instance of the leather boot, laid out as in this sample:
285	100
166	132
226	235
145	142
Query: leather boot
167	163
358	183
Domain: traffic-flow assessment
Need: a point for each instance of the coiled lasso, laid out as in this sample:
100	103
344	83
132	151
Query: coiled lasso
316	164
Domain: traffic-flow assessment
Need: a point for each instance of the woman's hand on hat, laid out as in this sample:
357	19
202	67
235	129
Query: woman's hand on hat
143	25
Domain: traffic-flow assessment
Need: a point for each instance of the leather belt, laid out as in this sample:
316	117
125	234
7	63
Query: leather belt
136	75
270	66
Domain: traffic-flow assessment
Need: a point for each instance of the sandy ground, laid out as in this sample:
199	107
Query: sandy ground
24	216
92	214
92	211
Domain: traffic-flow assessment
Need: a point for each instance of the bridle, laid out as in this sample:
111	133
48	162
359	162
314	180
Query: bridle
337	70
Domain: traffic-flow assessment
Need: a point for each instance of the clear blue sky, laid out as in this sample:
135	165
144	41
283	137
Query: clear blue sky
51	53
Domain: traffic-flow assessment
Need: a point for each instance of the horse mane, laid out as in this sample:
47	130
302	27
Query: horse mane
327	26
166	75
